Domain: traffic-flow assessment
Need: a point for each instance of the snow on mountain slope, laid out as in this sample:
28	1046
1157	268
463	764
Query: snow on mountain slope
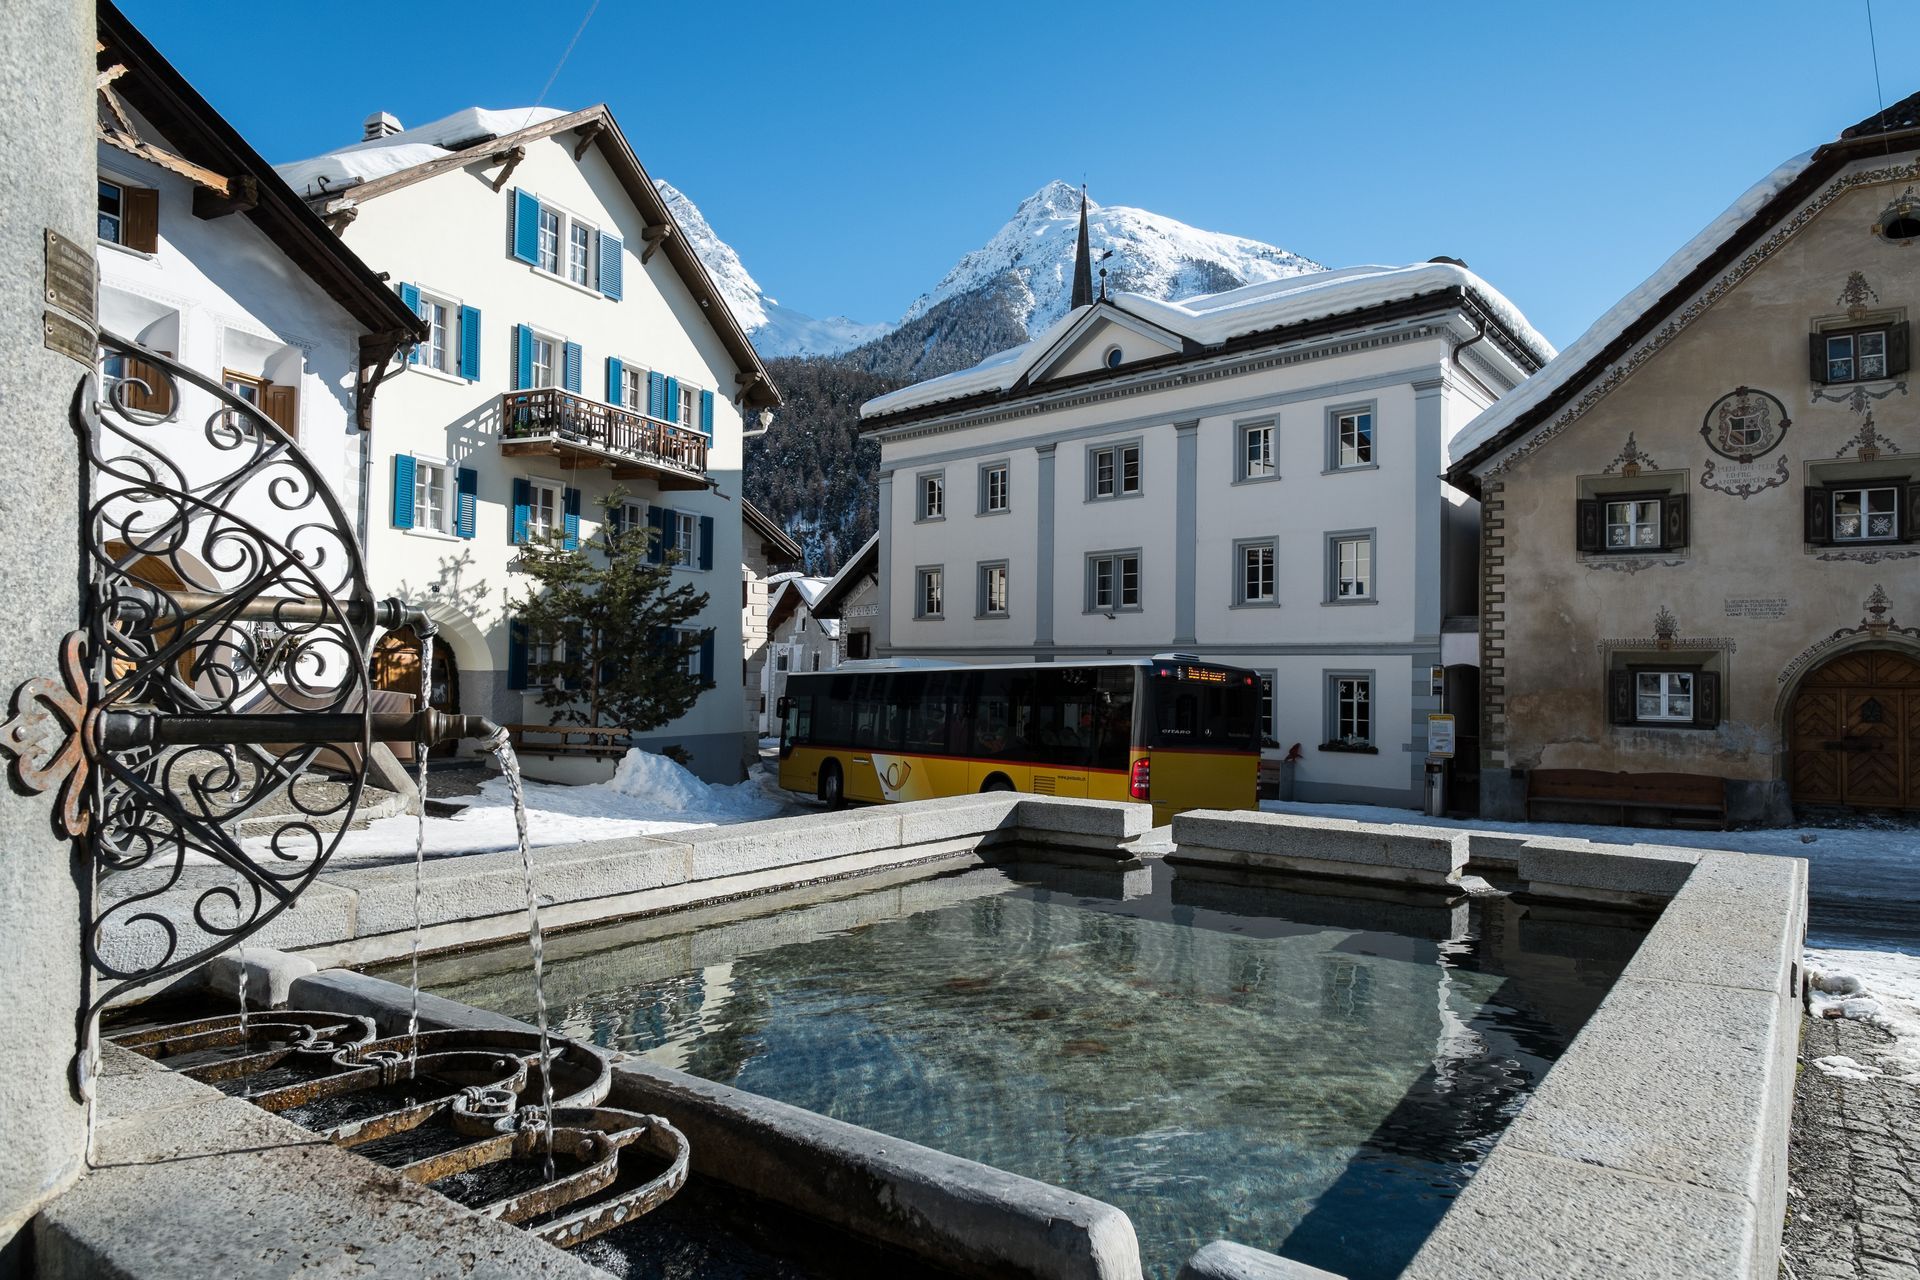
1152	254
774	330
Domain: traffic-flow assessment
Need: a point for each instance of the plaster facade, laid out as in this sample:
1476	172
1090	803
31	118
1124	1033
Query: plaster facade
1724	406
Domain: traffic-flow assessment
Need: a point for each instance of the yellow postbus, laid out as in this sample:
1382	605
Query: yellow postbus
1173	730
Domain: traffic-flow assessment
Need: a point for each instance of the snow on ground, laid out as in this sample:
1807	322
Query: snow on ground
1863	915
647	795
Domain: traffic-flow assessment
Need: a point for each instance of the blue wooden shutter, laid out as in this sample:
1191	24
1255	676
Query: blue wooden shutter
403	491
570	371
466	500
670	409
706	542
617	518
614	372
410	298
470	343
522	357
611	267
657	526
706	658
656	395
706	416
516	654
522	499
526	226
572	526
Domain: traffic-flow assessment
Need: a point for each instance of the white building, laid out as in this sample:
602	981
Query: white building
577	349
767	558
207	256
852	598
1251	477
798	640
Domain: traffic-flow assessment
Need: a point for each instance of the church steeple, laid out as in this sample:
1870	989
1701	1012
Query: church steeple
1082	260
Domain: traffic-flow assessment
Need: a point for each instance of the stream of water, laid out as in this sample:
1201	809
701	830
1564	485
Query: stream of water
420	843
502	747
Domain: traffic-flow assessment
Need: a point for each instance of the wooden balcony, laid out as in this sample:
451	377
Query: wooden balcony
581	433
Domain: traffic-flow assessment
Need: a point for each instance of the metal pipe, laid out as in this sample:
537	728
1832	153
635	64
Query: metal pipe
388	614
127	729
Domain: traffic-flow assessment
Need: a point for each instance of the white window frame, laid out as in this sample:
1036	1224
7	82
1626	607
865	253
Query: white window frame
120	219
1668	689
1112	458
550	248
1350	703
556	357
1246	591
1106	574
556	507
1253	465
633	387
1631	523
581	239
989	473
1864	495
690	665
441	493
1350	447
689	406
686	538
930	591
930	496
442	356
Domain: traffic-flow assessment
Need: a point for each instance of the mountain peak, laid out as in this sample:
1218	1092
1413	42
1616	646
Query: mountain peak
1055	199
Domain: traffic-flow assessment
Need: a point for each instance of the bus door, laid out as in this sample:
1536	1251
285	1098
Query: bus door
1203	744
1062	725
869	719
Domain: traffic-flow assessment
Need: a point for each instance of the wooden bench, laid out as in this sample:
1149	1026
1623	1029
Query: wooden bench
1691	795
592	741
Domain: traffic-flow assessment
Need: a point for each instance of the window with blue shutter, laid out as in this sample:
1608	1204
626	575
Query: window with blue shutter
611	267
659	528
706	416
522	499
614	372
570	371
410	298
526	226
656	395
706	542
466	500
706	658
670	410
522	357
516	654
571	505
403	491
470	343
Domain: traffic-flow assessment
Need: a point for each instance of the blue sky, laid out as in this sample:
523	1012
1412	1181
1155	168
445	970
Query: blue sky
852	151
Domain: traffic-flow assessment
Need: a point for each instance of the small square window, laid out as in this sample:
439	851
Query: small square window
1114	471
1256	452
929	593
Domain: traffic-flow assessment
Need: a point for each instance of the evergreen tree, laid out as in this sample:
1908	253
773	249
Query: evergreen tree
612	618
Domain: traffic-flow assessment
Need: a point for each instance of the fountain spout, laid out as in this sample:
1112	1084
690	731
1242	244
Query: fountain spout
137	728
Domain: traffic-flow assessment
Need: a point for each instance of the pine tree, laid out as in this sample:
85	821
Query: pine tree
613	619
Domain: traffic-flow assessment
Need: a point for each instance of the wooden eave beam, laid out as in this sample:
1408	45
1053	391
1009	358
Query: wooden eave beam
513	156
244	196
588	132
654	237
199	175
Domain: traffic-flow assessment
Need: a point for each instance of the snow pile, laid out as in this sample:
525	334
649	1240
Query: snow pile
1877	987
645	776
775	330
376	157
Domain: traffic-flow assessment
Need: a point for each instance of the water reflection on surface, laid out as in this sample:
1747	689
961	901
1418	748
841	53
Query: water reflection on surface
1311	1074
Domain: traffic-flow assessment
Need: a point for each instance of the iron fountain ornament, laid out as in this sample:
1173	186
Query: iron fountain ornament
219	672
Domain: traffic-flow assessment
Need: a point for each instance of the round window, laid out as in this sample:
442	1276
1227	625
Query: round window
1901	219
1113	357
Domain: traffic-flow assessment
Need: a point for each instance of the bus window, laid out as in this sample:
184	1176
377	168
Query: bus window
1063	717
902	697
993	719
1113	712
1210	712
869	697
934	712
833	727
796	726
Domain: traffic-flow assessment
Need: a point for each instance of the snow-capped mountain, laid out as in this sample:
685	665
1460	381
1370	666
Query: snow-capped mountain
1151	254
774	330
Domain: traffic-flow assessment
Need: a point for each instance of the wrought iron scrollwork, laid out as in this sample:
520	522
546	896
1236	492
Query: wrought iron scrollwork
225	582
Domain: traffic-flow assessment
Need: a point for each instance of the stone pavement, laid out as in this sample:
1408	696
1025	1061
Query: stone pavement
1854	1166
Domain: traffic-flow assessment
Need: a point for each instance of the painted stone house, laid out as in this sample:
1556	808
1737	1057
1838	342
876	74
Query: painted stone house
1252	477
577	354
767	556
852	598
1701	547
799	639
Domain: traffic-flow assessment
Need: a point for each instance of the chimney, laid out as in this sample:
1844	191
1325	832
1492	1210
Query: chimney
381	124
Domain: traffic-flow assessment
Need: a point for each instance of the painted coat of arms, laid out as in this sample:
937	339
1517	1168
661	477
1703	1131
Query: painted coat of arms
1743	426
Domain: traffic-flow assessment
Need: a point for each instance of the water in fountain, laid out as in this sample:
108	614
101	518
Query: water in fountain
502	747
420	844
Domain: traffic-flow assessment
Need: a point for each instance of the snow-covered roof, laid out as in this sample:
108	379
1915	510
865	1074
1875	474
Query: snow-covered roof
1556	373
862	562
1212	319
378	157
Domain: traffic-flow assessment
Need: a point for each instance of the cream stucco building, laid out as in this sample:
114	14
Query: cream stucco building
1252	477
578	349
1702	520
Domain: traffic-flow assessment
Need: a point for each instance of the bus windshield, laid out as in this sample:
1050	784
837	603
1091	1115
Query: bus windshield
1197	706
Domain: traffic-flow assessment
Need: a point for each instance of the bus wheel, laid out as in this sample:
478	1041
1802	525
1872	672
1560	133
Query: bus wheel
832	788
998	782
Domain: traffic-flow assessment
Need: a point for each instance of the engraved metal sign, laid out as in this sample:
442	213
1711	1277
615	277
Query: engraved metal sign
1761	608
70	338
70	276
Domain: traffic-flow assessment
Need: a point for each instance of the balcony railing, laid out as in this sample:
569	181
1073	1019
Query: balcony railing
592	433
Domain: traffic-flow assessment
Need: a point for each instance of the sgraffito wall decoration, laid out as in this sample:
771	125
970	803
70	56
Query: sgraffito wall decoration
1742	427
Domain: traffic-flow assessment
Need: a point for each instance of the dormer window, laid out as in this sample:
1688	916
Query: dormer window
1867	353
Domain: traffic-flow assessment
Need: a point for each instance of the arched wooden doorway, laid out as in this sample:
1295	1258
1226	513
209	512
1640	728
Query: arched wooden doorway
1854	729
396	667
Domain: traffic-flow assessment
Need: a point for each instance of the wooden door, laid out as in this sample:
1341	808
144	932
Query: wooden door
1854	730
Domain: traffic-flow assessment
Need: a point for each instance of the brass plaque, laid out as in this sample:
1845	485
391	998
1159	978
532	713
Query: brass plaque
70	338
70	276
